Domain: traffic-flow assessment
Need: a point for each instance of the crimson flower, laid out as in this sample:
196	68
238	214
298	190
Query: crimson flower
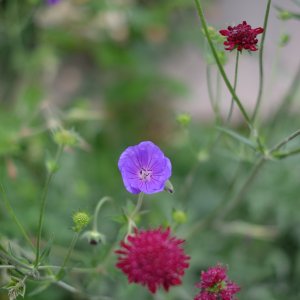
242	36
153	258
215	285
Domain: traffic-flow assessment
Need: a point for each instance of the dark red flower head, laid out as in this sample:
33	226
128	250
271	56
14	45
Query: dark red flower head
242	36
215	285
153	258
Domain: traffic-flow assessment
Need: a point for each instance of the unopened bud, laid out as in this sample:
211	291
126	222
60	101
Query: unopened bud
184	119
65	137
94	237
284	40
169	187
179	216
284	15
80	220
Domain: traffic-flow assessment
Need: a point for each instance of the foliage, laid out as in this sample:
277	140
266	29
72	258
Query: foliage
82	80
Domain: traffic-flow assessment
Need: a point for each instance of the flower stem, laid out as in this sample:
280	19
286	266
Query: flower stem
43	204
14	217
285	141
131	222
239	195
221	69
97	210
234	84
60	273
261	66
138	205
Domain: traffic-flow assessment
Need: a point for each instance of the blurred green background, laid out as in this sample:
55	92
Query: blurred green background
95	67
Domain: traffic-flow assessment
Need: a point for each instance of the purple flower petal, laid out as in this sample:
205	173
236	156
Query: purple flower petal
144	168
53	2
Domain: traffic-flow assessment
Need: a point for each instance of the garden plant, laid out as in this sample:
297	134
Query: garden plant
107	192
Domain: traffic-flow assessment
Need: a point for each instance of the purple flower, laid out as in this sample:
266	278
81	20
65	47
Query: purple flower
53	2
144	168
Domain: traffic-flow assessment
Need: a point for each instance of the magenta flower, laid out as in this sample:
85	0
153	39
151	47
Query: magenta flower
144	168
153	258
242	36
215	285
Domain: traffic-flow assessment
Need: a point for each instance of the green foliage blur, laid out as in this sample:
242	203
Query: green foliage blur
94	67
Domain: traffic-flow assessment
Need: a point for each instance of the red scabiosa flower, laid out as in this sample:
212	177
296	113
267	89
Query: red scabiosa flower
144	168
153	258
215	285
240	37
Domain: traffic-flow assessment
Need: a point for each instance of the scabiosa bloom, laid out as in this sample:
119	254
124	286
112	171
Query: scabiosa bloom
242	36
215	285
144	168
153	258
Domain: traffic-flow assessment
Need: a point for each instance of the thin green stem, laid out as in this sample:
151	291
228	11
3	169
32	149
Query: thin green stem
211	97
43	203
209	219
286	102
14	261
68	255
239	195
97	210
131	222
98	269
14	217
221	69
138	205
288	153
7	267
261	65
234	84
285	141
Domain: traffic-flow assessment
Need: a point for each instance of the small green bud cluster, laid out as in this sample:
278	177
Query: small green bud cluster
65	137
284	40
183	119
284	15
214	35
179	216
80	220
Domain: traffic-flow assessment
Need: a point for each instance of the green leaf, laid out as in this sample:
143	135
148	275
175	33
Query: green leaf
39	289
46	251
286	14
238	137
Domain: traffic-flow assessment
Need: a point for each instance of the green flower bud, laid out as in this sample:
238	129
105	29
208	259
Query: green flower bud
80	220
285	15
203	155
184	119
169	187
179	216
284	40
65	137
51	166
